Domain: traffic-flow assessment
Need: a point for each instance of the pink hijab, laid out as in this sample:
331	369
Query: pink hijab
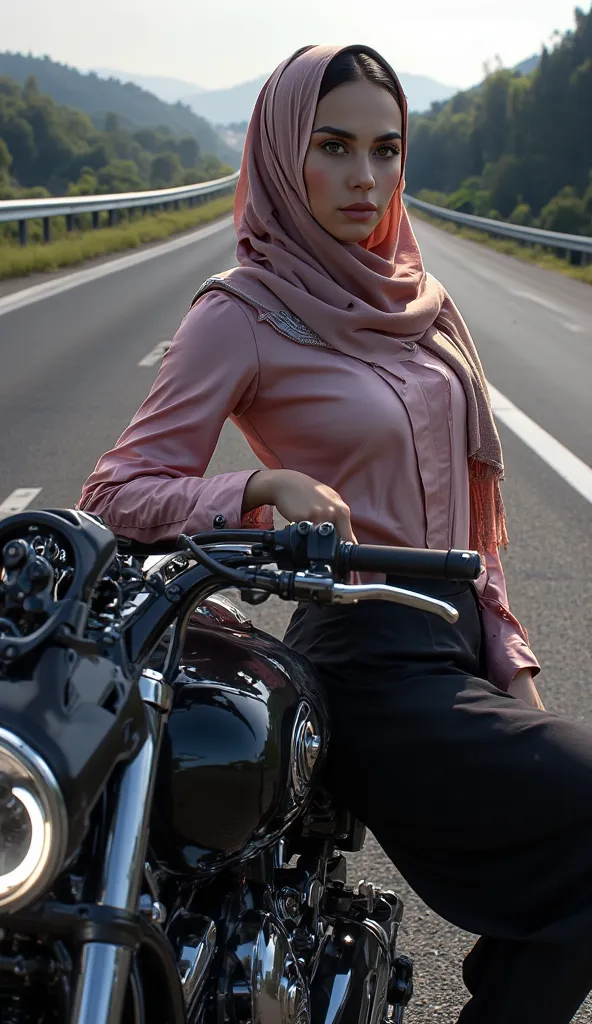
371	301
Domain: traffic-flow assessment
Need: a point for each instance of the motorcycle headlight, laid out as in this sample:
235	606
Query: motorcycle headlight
33	823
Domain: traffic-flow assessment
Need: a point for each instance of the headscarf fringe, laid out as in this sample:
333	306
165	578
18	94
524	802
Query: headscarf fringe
488	529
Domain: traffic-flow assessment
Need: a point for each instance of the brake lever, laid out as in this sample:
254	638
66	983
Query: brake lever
322	590
351	594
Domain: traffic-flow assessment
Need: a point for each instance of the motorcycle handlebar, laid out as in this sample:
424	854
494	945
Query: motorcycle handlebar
292	546
233	557
416	562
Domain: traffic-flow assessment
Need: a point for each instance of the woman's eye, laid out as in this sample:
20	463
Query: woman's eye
386	151
333	146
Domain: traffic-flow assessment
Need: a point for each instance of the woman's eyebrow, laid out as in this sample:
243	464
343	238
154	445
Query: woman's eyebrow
328	130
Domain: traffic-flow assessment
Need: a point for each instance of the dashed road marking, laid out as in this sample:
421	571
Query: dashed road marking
18	500
156	354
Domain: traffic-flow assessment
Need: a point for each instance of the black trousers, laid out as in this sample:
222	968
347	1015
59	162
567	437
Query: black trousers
483	803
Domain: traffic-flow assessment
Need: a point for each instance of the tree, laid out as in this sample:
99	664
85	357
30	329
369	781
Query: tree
188	151
44	145
521	214
87	184
165	170
504	181
565	213
119	176
5	157
492	115
30	88
588	201
112	122
523	136
5	162
148	139
19	138
9	88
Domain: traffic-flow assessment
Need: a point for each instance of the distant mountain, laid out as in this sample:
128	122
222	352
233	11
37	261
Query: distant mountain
225	106
98	96
526	67
171	90
421	92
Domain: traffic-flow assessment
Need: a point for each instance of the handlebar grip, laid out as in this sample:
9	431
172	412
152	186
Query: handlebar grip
419	562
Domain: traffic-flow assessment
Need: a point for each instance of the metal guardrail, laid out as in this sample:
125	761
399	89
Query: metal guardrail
71	207
532	236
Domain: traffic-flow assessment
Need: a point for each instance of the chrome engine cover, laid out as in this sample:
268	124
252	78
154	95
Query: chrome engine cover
263	981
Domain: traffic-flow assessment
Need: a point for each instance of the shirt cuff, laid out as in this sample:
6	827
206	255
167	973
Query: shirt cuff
506	645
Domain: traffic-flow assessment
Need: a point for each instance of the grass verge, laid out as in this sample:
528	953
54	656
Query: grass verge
18	261
528	254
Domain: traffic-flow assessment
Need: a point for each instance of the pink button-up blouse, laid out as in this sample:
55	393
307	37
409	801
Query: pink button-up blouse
393	445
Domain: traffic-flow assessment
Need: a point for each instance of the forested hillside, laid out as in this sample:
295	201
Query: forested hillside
519	147
97	97
47	148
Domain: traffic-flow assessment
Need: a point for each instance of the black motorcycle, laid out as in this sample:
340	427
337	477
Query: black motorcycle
168	854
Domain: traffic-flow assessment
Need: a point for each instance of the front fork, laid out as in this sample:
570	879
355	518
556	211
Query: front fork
400	989
104	967
359	977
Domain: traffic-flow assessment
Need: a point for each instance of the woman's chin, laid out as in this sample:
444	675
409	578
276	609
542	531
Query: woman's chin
353	233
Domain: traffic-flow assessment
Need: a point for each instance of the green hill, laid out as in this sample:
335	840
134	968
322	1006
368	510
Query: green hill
518	147
97	97
47	147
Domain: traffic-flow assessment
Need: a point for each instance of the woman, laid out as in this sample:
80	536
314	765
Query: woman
355	381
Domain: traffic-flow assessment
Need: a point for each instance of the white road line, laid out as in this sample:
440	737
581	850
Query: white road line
18	500
575	328
551	306
37	292
567	465
156	354
540	301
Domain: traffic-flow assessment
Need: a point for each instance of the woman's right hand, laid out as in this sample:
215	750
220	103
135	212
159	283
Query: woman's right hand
299	497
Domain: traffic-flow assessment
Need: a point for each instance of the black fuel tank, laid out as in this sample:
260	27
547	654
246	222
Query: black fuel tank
246	737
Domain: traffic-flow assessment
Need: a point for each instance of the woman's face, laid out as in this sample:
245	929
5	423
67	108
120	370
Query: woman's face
353	161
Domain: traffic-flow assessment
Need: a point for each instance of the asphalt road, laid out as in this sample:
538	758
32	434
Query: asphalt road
70	381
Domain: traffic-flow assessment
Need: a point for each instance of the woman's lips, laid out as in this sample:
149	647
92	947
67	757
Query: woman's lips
359	212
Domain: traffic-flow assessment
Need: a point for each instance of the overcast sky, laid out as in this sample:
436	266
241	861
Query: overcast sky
216	43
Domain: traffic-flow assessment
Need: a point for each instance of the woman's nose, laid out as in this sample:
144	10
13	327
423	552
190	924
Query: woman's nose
362	176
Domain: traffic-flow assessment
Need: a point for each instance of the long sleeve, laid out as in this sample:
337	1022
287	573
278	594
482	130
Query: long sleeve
506	641
151	486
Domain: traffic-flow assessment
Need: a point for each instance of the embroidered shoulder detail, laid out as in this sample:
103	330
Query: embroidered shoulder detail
291	326
288	324
225	286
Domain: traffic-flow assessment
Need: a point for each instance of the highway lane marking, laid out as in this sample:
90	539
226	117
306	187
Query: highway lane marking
567	465
18	500
538	299
551	306
10	303
492	275
156	354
